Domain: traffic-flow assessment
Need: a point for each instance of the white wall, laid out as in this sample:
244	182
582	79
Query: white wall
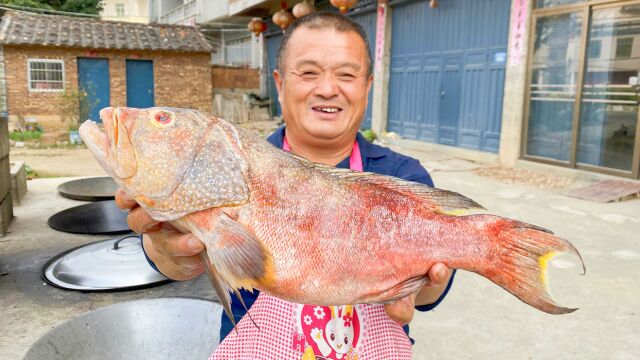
134	10
212	10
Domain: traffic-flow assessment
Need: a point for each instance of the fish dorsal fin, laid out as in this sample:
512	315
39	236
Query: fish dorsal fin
438	200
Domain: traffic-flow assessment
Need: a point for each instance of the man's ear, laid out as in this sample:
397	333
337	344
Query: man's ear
369	84
278	78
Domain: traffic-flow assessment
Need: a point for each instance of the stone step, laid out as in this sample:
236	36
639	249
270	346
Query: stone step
6	214
18	181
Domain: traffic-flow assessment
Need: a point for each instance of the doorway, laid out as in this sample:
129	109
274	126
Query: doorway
583	105
93	80
140	92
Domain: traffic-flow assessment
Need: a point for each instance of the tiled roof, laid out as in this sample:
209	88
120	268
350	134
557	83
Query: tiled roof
21	28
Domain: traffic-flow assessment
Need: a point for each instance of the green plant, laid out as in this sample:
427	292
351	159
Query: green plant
369	134
25	135
29	172
75	106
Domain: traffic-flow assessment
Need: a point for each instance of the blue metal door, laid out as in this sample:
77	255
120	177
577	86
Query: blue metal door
447	71
273	43
93	79
449	101
367	19
140	83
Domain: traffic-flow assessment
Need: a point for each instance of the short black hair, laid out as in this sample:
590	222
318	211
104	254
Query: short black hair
323	20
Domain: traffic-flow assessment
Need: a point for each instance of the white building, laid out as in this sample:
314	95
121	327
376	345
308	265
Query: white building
232	41
126	10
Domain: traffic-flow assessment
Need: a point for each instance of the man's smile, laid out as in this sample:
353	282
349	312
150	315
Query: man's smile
327	108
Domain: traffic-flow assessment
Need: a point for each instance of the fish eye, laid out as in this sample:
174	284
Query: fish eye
163	118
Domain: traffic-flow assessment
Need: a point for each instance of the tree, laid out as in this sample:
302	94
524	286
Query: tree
82	6
29	3
74	6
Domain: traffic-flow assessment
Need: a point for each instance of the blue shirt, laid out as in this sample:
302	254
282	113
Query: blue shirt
375	159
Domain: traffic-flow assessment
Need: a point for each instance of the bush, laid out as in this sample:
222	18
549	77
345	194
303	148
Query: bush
25	135
75	107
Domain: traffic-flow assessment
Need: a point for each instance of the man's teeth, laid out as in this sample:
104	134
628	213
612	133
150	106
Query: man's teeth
329	110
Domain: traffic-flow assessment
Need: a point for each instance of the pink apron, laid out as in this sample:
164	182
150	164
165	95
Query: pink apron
290	331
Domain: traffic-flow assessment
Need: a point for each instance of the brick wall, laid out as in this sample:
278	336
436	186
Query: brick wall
180	80
3	83
230	87
234	78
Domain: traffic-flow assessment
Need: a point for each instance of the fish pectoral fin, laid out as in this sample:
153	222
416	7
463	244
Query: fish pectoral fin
400	290
239	255
221	288
443	201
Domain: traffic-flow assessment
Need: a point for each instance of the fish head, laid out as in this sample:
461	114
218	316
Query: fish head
147	150
151	153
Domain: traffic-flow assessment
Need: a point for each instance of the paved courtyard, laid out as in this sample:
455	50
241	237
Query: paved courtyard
478	320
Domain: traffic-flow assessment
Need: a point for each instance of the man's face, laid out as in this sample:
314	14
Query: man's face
324	85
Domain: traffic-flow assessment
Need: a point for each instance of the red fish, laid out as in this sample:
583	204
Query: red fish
304	232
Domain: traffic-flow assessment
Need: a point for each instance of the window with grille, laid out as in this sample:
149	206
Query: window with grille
119	9
46	75
623	47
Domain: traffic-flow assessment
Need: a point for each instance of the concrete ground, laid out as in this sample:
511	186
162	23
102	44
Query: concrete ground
478	320
59	162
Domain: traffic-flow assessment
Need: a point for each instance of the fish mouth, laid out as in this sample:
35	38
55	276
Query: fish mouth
111	145
96	140
120	153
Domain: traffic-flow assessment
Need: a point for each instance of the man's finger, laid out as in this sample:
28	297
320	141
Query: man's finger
401	310
190	262
173	243
438	274
181	273
140	221
185	269
124	201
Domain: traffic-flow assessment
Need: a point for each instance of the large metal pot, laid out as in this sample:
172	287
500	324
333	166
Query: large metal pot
164	328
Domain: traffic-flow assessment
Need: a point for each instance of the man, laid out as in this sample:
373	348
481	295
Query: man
323	78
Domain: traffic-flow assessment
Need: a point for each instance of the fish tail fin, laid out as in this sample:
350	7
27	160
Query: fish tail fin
518	262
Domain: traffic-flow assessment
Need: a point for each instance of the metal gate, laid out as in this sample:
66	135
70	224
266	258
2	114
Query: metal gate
273	43
447	71
139	83
93	80
367	19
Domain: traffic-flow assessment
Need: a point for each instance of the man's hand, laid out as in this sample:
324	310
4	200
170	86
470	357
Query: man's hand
402	310
175	254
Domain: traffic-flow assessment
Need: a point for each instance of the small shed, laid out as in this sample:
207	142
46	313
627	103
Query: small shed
57	65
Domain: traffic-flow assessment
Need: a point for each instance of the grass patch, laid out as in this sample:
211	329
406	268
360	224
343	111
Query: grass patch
25	135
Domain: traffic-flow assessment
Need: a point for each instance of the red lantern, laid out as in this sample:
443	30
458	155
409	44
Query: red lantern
303	8
283	18
434	4
257	26
344	5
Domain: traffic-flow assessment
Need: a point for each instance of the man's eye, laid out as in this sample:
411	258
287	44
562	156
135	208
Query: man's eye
309	74
346	76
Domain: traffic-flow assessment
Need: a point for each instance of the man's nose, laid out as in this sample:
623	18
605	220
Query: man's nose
327	87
